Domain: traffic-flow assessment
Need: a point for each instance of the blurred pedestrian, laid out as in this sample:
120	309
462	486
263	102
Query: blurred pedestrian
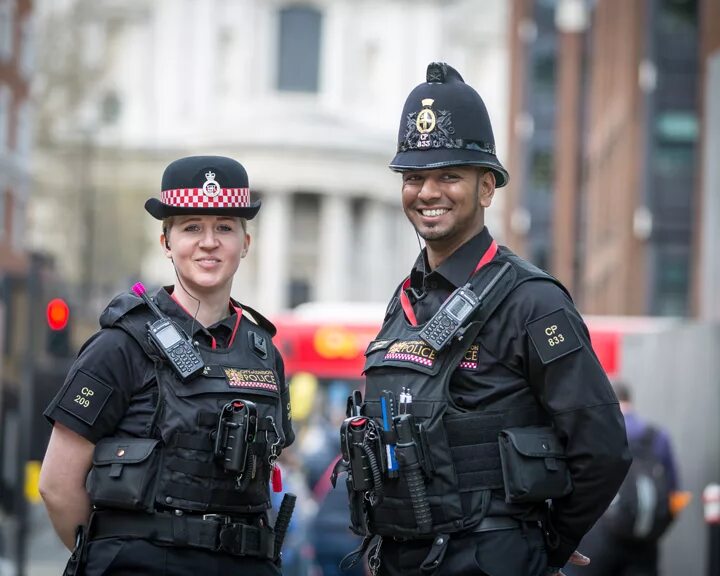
330	532
625	541
174	412
297	552
448	375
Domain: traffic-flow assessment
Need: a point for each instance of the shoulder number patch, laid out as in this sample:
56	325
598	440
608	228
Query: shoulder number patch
85	397
553	336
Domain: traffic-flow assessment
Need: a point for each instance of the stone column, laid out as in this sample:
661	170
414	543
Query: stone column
376	248
271	251
335	246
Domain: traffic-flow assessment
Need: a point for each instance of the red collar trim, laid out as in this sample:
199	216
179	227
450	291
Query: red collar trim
239	312
405	301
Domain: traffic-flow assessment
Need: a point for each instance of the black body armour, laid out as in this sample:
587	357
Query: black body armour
187	474
459	449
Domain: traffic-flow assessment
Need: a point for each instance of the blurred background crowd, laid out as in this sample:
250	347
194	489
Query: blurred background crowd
606	114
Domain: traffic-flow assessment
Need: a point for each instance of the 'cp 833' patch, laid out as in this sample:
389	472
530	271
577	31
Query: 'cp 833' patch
85	397
553	336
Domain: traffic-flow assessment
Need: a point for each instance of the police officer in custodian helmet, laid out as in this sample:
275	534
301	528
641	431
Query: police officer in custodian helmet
166	431
489	439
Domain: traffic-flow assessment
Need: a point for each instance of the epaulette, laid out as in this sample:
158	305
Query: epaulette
119	307
260	320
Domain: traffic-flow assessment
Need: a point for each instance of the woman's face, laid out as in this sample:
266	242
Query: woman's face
206	250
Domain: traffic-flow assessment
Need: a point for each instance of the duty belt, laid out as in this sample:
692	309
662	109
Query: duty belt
211	531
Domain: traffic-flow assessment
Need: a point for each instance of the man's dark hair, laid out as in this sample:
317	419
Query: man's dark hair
622	391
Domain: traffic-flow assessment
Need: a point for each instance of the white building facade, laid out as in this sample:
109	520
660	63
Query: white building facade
306	95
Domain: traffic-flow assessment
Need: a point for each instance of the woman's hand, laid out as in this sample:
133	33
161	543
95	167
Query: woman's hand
576	559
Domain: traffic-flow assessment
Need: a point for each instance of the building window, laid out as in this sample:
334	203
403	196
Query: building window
299	49
24	130
17	226
541	258
544	71
3	202
4	117
27	47
542	171
304	251
672	281
677	126
298	292
678	16
7	15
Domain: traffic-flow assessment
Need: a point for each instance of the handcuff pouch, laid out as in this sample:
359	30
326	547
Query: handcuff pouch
533	465
123	473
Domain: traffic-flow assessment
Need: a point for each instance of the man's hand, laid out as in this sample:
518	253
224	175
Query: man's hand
576	559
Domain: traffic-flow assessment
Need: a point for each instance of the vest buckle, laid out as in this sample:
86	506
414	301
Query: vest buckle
221	518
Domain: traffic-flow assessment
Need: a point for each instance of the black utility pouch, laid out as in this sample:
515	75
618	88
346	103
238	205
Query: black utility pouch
533	465
123	474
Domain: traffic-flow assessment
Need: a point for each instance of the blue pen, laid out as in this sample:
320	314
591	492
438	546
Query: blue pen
387	407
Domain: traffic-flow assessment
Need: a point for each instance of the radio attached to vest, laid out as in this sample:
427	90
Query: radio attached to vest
457	310
175	346
237	428
451	317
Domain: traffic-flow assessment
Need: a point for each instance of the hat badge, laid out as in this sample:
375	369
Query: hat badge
426	120
211	188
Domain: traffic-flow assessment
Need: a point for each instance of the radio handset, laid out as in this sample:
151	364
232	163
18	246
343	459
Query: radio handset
453	316
175	346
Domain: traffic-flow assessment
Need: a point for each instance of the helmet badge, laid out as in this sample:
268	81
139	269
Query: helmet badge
425	122
211	188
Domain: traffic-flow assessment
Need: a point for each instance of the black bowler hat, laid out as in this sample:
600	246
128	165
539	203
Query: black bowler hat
445	123
213	185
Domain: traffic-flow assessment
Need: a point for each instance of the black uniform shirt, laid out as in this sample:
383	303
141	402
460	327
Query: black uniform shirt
514	361
112	357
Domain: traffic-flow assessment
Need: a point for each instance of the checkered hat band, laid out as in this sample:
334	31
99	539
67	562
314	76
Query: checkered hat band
196	198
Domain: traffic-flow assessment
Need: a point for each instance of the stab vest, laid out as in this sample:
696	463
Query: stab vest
188	477
459	448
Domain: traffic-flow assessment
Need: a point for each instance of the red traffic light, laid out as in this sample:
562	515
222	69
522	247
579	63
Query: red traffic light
57	314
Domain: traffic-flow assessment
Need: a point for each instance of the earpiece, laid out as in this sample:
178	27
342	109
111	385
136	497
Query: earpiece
167	244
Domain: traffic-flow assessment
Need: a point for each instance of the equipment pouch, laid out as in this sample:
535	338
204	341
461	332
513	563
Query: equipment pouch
123	474
533	465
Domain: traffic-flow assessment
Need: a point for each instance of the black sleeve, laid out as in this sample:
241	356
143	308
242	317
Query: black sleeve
567	377
288	431
98	387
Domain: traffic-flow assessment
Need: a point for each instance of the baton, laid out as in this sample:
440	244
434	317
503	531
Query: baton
282	522
407	456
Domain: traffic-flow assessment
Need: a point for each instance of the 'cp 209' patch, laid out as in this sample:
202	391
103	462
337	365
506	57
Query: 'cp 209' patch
85	397
553	336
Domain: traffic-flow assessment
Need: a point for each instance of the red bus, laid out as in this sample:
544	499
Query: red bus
329	341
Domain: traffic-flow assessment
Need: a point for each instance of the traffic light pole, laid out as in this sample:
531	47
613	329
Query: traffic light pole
26	402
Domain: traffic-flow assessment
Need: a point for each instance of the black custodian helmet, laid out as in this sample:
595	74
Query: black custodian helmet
445	123
213	185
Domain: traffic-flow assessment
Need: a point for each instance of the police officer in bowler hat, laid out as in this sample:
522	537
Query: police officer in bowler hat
166	431
489	428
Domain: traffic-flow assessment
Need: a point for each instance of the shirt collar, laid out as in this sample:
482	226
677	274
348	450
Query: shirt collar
459	266
184	319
